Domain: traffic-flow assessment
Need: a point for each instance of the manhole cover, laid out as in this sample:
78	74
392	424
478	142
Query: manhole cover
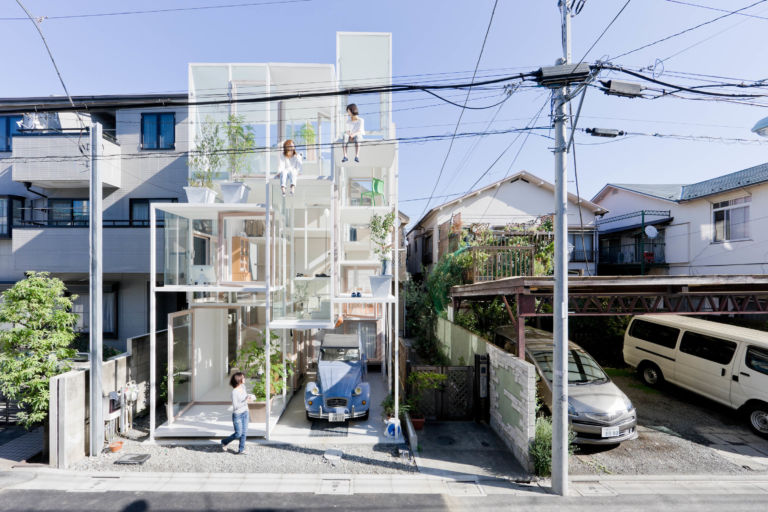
335	486
445	440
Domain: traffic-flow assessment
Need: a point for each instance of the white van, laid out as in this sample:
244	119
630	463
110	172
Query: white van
722	362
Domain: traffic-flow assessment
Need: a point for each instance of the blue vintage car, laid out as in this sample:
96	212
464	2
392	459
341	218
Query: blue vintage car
339	393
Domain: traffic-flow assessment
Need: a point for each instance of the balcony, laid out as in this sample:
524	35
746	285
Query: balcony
631	258
55	160
64	249
495	262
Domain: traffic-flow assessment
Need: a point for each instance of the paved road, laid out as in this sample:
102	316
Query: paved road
22	501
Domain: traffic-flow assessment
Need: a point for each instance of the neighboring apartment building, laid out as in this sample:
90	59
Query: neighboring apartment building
512	205
715	226
44	212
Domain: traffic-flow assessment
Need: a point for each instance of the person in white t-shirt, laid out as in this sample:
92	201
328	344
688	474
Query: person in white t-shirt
354	132
288	165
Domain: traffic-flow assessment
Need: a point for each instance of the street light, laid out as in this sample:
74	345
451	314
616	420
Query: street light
761	127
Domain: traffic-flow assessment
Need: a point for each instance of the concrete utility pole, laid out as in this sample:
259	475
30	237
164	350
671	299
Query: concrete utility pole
560	316
95	290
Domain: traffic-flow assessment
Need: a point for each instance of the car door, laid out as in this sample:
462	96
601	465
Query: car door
750	375
703	365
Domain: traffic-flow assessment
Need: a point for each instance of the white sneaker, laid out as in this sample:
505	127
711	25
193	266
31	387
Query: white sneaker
244	452
223	447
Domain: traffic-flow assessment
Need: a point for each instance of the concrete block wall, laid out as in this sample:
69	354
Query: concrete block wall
512	386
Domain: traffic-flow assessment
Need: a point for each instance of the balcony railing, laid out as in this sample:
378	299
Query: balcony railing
494	262
648	253
82	223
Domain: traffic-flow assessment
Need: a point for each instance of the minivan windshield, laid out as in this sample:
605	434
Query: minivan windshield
581	367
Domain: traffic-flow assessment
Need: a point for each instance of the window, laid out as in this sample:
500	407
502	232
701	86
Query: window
426	252
158	131
581	367
82	308
201	247
8	128
5	225
140	211
708	347
654	333
68	212
731	219
757	359
583	246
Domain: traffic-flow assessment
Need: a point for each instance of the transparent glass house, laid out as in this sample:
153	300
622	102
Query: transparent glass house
276	270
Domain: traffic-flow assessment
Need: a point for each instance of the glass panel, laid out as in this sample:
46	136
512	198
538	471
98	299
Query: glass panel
757	359
3	216
149	131
167	131
4	139
177	240
655	333
368	336
109	307
60	212
80	212
719	221
140	211
739	218
17	211
182	363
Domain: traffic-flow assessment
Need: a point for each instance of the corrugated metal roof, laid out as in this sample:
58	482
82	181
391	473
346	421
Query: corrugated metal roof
738	179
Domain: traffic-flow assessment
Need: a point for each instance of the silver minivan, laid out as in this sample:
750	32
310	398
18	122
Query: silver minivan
725	363
598	411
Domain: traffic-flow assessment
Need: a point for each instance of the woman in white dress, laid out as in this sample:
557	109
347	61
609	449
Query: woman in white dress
289	165
354	132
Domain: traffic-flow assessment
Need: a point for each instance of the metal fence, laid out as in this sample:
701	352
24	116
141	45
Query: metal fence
649	253
9	410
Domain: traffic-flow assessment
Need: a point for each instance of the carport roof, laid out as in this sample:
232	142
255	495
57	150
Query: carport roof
340	340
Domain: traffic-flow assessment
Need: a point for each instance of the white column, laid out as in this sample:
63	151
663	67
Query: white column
152	320
95	281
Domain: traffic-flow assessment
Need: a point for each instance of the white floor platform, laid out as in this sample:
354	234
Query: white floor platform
213	420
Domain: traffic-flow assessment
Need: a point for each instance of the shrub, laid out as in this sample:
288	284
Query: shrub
541	450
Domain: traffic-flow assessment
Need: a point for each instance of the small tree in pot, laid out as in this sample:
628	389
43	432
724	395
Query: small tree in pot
205	160
381	232
240	141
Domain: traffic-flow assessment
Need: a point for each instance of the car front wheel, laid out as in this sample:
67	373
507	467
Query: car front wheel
758	418
651	375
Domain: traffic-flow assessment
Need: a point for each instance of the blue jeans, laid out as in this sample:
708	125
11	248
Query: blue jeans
240	421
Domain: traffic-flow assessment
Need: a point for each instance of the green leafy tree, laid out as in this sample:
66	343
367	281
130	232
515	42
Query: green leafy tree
35	343
240	141
208	155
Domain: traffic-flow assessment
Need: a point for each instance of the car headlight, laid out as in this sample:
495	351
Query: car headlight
358	391
314	391
571	408
628	404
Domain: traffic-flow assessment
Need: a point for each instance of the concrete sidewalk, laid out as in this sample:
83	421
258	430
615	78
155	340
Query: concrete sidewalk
56	480
21	449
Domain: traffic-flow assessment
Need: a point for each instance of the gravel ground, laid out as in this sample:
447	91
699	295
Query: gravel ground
260	458
671	426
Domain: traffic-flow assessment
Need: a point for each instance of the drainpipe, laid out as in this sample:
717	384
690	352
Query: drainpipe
642	242
28	184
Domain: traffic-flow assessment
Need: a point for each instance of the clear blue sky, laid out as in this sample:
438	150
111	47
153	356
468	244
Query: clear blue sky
149	53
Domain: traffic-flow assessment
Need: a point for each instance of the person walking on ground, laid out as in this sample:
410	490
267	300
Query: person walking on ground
289	165
240	399
354	132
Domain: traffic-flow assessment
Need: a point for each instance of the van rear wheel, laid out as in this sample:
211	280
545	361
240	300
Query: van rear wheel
651	375
758	418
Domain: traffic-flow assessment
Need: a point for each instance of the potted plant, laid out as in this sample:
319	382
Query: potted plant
252	361
381	233
420	384
307	136
388	407
205	160
240	141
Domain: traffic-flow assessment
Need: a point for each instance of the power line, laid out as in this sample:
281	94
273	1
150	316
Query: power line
461	113
159	11
716	9
604	31
729	13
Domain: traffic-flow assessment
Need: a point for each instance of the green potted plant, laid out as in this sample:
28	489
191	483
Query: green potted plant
381	235
240	141
252	361
204	160
307	136
420	383
388	407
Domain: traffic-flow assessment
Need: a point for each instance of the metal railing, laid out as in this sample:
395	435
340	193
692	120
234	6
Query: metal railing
497	262
648	253
82	223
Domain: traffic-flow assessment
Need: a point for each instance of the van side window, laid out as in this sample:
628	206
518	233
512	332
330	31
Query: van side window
655	333
708	347
757	359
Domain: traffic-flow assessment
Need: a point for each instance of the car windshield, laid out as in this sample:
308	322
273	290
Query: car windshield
581	367
340	354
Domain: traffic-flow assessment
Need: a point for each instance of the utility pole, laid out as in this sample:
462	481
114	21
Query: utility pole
560	314
95	290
